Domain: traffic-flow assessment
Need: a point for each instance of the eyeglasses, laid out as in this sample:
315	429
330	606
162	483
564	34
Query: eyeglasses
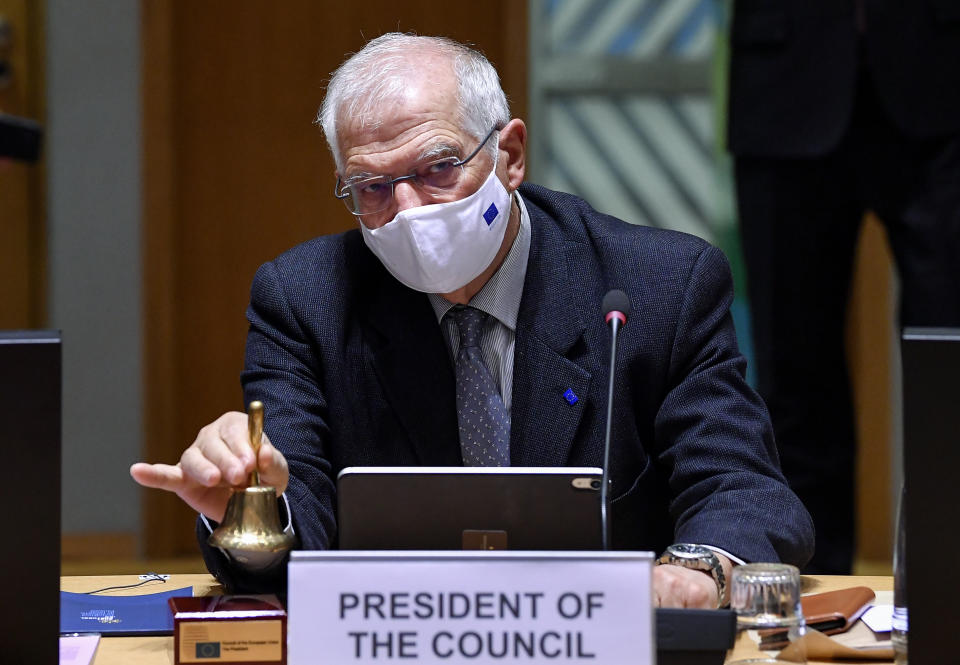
374	194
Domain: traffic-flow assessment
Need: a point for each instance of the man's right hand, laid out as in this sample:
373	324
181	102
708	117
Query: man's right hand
219	459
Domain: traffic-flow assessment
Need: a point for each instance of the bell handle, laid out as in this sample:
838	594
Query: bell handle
255	431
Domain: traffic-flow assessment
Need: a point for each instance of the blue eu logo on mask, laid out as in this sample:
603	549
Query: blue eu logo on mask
491	214
208	650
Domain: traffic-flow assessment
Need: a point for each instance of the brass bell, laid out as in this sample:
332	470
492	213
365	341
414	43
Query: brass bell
251	531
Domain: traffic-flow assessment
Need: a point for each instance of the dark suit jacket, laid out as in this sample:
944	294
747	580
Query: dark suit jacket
794	67
353	371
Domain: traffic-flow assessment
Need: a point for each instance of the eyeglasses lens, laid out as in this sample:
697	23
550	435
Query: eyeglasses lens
369	196
373	195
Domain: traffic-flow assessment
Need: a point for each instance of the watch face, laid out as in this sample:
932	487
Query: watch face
688	551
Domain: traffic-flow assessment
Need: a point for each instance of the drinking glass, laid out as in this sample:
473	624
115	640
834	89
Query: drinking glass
766	598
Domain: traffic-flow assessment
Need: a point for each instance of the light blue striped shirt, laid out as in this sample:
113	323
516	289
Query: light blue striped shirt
500	298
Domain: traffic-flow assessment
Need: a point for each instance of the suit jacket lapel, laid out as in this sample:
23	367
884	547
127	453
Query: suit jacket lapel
549	389
413	366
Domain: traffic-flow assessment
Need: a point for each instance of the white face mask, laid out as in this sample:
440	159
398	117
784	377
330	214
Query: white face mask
442	247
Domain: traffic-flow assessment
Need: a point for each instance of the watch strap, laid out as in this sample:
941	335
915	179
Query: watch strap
698	557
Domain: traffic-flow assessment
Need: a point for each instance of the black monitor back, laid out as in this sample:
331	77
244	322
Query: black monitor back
30	440
931	444
450	508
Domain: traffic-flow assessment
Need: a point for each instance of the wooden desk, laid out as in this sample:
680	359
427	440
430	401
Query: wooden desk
159	650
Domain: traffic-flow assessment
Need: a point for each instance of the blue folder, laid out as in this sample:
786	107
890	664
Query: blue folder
118	615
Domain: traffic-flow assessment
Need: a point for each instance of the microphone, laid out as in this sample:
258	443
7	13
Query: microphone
616	308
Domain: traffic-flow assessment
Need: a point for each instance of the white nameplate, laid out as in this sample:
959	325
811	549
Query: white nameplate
470	607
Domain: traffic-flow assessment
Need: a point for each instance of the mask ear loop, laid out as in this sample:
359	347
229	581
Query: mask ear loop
496	160
496	151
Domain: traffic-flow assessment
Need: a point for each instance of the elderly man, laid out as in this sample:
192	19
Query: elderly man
358	342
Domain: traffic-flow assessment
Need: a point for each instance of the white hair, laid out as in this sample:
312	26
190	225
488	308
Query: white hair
379	74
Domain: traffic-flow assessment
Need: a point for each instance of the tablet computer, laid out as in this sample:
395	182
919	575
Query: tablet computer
453	508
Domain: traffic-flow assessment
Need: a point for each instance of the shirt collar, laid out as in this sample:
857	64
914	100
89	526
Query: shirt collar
500	296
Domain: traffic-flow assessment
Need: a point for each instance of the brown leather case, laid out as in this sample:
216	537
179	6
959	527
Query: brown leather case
835	611
830	612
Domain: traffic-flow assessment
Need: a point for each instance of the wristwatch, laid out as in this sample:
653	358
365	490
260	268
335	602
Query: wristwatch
697	557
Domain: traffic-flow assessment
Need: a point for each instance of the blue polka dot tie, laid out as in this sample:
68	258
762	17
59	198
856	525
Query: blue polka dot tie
484	421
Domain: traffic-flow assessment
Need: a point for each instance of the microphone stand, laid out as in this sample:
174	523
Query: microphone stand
615	321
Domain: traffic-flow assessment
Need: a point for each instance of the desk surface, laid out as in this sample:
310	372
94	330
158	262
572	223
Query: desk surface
159	650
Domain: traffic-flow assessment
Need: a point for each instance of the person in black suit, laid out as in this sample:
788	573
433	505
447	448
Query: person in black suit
836	108
360	360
